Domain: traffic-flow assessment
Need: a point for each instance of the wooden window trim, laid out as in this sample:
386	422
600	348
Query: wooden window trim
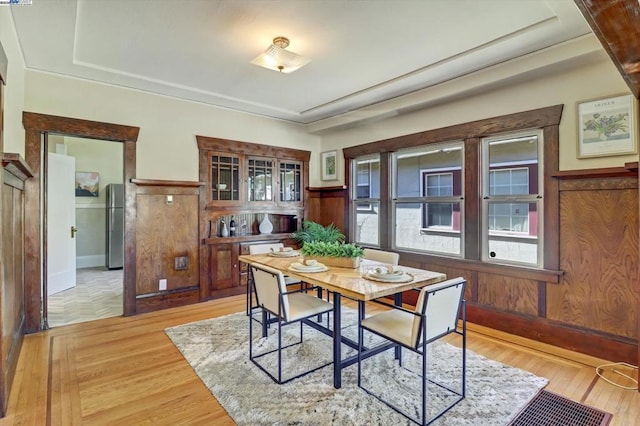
547	119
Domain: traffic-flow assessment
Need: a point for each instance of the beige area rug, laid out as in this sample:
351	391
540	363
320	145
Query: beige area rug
217	350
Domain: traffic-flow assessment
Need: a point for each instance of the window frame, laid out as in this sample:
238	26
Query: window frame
536	198
454	199
547	120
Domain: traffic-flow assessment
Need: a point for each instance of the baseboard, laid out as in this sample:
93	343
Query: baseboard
90	261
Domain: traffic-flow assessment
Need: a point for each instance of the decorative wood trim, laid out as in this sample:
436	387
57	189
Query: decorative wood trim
599	184
249	148
245	238
589	342
616	24
326	188
35	125
472	244
169	299
537	118
16	165
607	172
176	183
79	128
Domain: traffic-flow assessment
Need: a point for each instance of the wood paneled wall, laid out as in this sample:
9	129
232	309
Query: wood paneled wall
599	257
12	307
329	205
166	230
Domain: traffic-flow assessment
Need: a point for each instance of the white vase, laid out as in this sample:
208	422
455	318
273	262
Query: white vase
225	231
266	227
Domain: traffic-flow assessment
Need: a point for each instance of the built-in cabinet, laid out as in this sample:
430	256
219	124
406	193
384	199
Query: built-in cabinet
244	183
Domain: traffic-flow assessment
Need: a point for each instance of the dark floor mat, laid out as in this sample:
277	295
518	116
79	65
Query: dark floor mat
549	409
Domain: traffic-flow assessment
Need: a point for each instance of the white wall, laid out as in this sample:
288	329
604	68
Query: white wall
166	147
14	90
598	78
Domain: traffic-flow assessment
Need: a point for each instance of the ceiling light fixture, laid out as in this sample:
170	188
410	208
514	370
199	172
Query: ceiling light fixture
278	59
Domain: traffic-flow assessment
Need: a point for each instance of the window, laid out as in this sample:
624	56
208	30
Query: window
438	214
428	198
479	199
511	203
365	199
511	217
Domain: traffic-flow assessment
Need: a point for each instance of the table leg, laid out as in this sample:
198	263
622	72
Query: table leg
397	300
337	342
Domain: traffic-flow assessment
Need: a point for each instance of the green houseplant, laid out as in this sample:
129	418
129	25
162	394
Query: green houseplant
326	244
312	231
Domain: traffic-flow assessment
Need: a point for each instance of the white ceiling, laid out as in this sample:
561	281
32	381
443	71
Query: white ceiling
363	51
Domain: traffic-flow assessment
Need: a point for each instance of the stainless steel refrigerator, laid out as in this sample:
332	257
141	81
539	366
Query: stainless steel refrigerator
115	225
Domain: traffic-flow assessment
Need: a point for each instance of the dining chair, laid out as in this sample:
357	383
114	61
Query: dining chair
284	307
436	315
382	256
265	249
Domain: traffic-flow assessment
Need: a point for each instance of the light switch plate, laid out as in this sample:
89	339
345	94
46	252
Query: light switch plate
162	284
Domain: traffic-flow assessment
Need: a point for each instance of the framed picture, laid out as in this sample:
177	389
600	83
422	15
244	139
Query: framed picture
607	126
87	184
329	165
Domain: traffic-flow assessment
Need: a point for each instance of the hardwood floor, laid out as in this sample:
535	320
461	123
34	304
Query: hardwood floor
127	371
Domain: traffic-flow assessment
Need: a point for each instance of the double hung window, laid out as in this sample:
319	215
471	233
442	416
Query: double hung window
427	202
511	200
365	199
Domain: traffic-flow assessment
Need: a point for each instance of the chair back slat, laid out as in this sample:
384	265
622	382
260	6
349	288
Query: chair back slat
382	256
264	248
440	303
269	284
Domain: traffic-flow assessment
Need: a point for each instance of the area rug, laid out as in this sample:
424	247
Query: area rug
217	350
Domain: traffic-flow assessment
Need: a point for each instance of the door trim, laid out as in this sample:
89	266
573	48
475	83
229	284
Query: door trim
35	125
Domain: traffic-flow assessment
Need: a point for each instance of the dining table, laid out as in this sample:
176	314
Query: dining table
357	284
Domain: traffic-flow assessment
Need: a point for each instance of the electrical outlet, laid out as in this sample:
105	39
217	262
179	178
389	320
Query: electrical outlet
162	284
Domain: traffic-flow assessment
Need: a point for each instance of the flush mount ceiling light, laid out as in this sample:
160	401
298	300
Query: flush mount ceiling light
278	59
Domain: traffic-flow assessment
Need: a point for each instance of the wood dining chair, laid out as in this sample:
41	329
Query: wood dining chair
435	316
285	308
388	257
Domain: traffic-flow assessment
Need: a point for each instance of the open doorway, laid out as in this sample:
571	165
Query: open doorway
37	129
85	229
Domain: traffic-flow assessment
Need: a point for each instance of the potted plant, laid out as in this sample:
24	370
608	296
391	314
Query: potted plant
312	231
345	255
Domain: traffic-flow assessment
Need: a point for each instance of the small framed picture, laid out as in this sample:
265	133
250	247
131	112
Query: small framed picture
607	126
329	165
87	184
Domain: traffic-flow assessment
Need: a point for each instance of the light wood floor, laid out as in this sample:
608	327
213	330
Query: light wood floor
126	371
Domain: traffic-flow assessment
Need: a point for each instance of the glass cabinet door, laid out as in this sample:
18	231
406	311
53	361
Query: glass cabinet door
225	178
290	181
260	179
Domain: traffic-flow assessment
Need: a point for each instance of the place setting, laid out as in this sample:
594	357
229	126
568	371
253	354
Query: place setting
284	252
387	274
308	266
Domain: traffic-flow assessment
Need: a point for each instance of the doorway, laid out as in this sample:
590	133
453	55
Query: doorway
37	129
83	281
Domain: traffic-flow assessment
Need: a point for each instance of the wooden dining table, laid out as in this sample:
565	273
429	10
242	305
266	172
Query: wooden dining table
351	283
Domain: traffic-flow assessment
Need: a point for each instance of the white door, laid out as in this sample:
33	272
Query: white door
61	219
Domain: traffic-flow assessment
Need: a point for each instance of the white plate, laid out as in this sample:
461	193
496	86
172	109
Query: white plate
404	278
299	267
386	276
283	254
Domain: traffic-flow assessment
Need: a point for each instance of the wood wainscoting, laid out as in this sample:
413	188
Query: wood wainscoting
166	229
12	313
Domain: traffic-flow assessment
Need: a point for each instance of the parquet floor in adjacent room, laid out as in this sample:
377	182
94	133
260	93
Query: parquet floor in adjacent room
125	370
98	294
